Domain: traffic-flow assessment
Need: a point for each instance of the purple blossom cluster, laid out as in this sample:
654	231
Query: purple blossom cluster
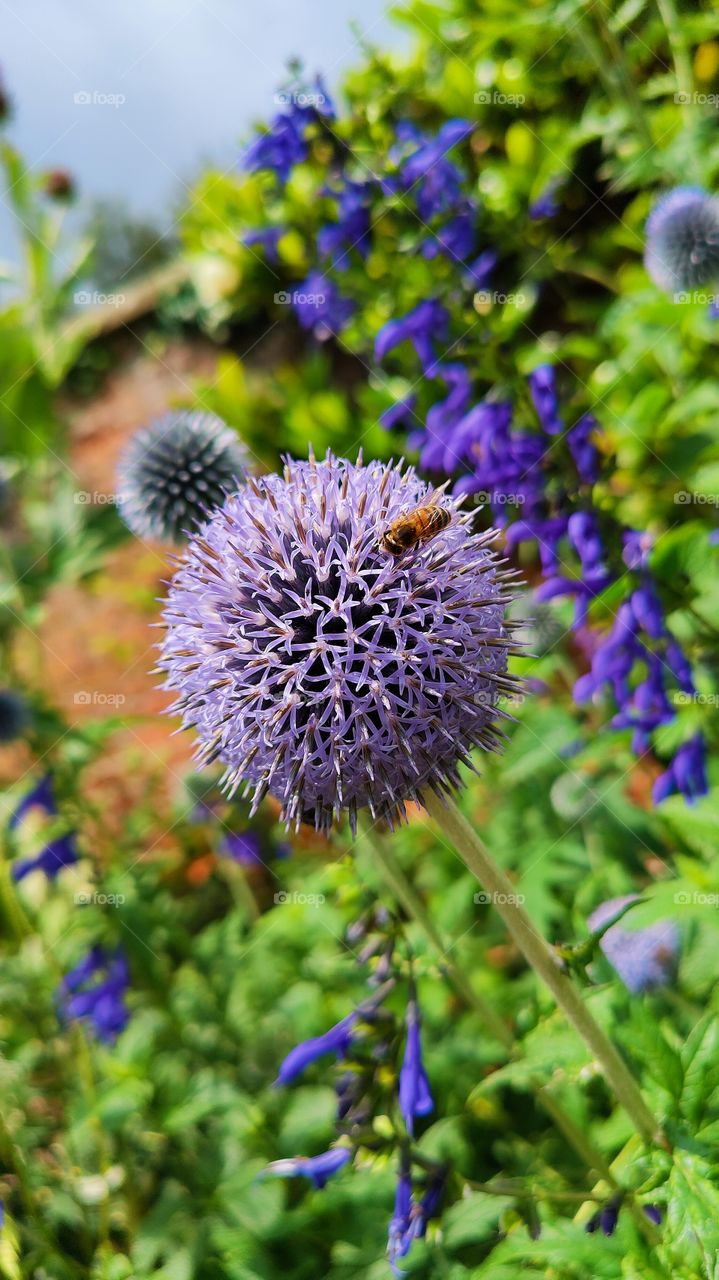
285	143
95	990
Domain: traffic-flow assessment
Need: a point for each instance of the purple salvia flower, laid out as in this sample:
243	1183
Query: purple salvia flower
95	990
399	1237
682	240
644	958
317	1168
335	240
243	847
423	326
284	144
439	181
319	667
320	308
543	390
686	773
267	238
653	1212
41	796
337	1040
637	546
545	206
58	853
583	449
415	1098
400	413
443	417
456	238
479	273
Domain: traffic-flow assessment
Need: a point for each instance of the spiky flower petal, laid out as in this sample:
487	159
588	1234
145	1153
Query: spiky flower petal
682	240
176	471
320	668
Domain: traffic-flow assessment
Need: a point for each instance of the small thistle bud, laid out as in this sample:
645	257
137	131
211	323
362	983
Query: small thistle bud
682	240
60	185
175	472
319	667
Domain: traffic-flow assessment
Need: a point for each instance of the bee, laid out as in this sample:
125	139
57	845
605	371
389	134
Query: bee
418	525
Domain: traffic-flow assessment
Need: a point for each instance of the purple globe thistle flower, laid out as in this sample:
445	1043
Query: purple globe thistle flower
95	990
543	390
320	308
14	715
422	326
41	796
415	1098
682	240
644	958
317	1168
319	667
60	852
174	472
686	773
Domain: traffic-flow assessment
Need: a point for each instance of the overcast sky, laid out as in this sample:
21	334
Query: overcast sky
192	73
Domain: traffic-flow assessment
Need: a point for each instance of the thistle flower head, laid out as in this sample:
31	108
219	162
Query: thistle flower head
682	240
318	667
175	471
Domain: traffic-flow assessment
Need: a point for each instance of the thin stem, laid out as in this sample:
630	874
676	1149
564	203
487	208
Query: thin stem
679	48
541	958
407	896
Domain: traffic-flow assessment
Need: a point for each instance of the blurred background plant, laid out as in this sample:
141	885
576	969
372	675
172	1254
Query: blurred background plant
494	184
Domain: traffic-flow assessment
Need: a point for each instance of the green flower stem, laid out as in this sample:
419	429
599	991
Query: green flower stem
613	51
679	48
10	905
406	894
541	958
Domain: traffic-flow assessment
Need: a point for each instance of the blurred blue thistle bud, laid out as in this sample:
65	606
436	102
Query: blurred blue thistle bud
682	240
173	473
644	958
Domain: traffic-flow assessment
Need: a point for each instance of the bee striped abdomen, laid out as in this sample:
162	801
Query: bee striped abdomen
419	525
